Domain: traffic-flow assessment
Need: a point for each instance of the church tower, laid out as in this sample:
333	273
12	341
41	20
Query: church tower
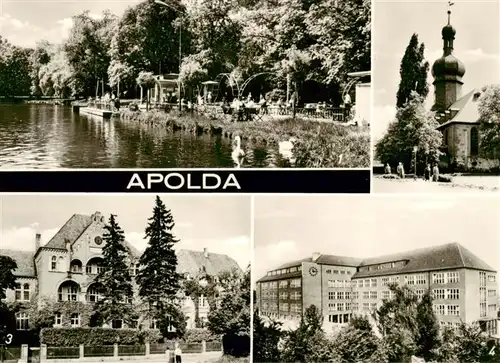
447	72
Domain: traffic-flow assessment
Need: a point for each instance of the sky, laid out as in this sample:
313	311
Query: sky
290	228
219	223
476	44
24	22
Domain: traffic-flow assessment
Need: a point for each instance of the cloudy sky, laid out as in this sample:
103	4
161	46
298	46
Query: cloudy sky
288	228
24	22
219	223
476	44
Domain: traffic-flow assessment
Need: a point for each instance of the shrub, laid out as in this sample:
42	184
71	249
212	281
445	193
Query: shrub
199	335
445	179
71	337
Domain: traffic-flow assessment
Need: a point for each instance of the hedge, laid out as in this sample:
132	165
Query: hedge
199	335
72	337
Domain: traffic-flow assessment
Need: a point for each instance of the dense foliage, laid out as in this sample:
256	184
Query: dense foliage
73	337
114	276
489	119
413	70
414	127
302	39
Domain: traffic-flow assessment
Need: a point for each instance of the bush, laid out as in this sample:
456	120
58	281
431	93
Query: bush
445	179
199	335
72	337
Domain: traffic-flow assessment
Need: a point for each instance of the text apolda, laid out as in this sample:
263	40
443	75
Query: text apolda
181	181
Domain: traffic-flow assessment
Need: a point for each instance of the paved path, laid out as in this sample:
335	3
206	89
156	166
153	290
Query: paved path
411	186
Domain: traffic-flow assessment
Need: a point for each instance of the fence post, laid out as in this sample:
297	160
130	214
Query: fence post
115	350
203	346
148	349
43	352
24	353
82	351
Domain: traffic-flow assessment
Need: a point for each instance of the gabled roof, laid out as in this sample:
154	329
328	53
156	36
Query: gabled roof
442	257
193	262
467	107
70	231
25	262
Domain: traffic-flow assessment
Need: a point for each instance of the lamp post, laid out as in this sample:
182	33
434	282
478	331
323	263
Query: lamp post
415	150
180	44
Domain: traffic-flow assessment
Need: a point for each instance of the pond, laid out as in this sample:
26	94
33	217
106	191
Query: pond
53	137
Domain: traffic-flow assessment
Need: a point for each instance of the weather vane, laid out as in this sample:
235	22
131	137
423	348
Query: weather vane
450	4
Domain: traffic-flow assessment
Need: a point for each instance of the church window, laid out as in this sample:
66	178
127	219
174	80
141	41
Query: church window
474	141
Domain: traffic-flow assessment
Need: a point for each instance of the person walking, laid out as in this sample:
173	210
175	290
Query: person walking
178	353
401	170
435	173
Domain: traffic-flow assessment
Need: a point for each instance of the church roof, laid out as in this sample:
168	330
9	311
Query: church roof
25	262
467	107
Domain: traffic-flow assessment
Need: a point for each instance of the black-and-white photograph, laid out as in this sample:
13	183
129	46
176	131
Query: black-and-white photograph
185	83
378	279
436	80
114	278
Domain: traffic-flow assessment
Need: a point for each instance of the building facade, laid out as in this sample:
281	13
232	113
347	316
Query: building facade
457	114
464	288
65	269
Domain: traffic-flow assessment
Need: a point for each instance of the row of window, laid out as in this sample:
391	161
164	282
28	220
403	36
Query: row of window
292	296
340	283
383	266
338	272
445	278
284	271
449	294
339	295
442	309
339	318
292	308
339	306
283	284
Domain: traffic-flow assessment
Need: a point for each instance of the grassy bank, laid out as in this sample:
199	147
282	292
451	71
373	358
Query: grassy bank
319	144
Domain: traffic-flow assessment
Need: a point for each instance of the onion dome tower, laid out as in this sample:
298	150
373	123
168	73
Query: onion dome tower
447	72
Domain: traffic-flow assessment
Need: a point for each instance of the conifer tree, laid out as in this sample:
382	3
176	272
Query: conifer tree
157	278
115	276
413	71
7	281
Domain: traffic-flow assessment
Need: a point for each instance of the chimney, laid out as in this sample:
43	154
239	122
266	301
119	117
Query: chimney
205	252
38	238
316	255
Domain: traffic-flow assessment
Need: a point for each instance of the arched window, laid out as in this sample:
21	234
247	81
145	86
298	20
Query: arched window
76	266
474	141
68	291
53	263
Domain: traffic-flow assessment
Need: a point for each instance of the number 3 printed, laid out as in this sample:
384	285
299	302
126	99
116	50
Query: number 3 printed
9	339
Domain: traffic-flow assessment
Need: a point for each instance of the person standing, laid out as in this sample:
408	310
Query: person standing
435	173
178	353
387	169
427	172
401	170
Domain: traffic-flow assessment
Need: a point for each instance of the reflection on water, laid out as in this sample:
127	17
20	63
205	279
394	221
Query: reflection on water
47	136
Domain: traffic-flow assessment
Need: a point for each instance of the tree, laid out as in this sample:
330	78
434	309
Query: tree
115	277
428	328
14	70
146	81
231	317
7	281
413	71
308	342
414	127
157	278
266	338
489	120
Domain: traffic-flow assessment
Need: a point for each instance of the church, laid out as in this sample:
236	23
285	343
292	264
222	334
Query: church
457	114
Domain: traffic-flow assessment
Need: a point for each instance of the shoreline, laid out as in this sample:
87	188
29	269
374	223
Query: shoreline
319	144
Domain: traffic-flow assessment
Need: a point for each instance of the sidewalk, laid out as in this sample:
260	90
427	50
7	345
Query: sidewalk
186	358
